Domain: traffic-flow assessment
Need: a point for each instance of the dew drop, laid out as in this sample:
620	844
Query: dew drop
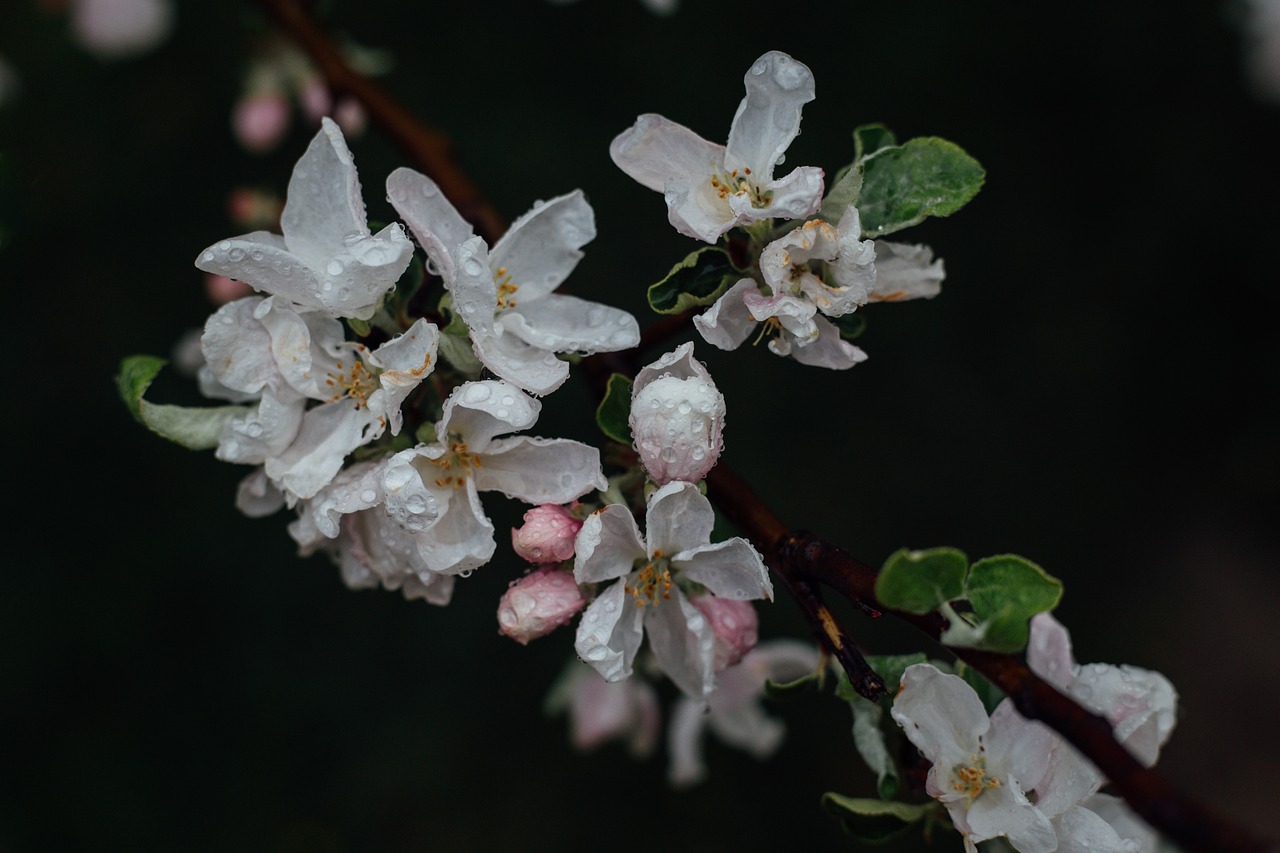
368	496
224	245
429	189
254	429
236	255
472	267
466	573
502	413
476	393
760	67
335	267
208	257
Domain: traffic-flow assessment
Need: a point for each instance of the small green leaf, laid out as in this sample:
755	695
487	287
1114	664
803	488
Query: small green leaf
1006	591
902	185
360	327
891	667
870	138
919	581
697	280
614	412
875	821
426	433
193	428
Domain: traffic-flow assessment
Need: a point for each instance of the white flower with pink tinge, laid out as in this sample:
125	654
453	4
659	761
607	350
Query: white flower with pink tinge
648	597
710	188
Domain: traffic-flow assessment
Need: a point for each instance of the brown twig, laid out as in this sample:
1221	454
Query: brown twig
801	560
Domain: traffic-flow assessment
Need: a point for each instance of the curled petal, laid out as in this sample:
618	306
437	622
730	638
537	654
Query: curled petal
540	470
558	323
828	350
731	569
728	322
478	411
609	633
683	643
522	364
768	118
432	219
679	518
608	545
905	271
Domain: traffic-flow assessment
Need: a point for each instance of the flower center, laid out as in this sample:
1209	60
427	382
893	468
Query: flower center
455	465
652	582
506	289
770	327
356	382
737	183
972	779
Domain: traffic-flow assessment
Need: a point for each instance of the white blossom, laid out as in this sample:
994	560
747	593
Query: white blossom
505	293
710	188
326	257
650	573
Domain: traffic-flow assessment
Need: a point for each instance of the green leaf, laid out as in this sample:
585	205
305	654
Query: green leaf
920	581
193	428
870	138
875	821
697	280
1006	591
614	412
360	327
902	185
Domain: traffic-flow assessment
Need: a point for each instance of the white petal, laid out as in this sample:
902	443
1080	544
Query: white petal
541	248
941	714
795	315
355	488
696	209
257	497
679	518
769	116
263	432
436	223
609	633
1141	704
684	742
906	271
478	411
1083	831
405	361
796	196
1049	651
683	643
475	294
461	540
655	152
731	569
261	259
323	205
747	727
728	322
522	364
829	350
608	545
1020	746
1004	810
559	323
540	470
328	433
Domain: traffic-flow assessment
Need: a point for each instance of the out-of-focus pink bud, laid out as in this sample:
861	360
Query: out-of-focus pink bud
677	418
254	209
222	290
114	29
736	626
350	116
314	97
259	121
538	603
547	534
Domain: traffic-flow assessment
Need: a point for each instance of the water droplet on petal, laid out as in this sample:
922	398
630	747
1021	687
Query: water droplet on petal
335	267
760	67
476	393
368	496
236	255
224	245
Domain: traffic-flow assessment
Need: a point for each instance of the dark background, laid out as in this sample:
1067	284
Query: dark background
1093	390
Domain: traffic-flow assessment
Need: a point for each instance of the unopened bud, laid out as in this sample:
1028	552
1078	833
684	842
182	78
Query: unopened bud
538	603
547	535
735	624
677	418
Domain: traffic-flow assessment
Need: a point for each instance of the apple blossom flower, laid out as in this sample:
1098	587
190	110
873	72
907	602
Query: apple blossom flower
600	711
711	188
538	603
677	417
1006	776
264	347
504	294
547	535
650	574
797	329
327	258
1139	703
813	270
733	711
348	521
469	457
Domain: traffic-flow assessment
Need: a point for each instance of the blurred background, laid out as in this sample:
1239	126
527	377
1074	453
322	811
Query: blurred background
1090	391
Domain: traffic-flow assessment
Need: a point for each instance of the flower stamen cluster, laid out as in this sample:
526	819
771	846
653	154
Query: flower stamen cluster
456	458
652	582
972	779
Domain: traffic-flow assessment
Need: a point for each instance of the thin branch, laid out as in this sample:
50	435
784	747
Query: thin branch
801	560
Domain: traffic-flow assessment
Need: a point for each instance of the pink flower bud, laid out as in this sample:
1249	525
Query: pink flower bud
735	624
314	98
350	116
538	603
260	121
547	535
677	418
